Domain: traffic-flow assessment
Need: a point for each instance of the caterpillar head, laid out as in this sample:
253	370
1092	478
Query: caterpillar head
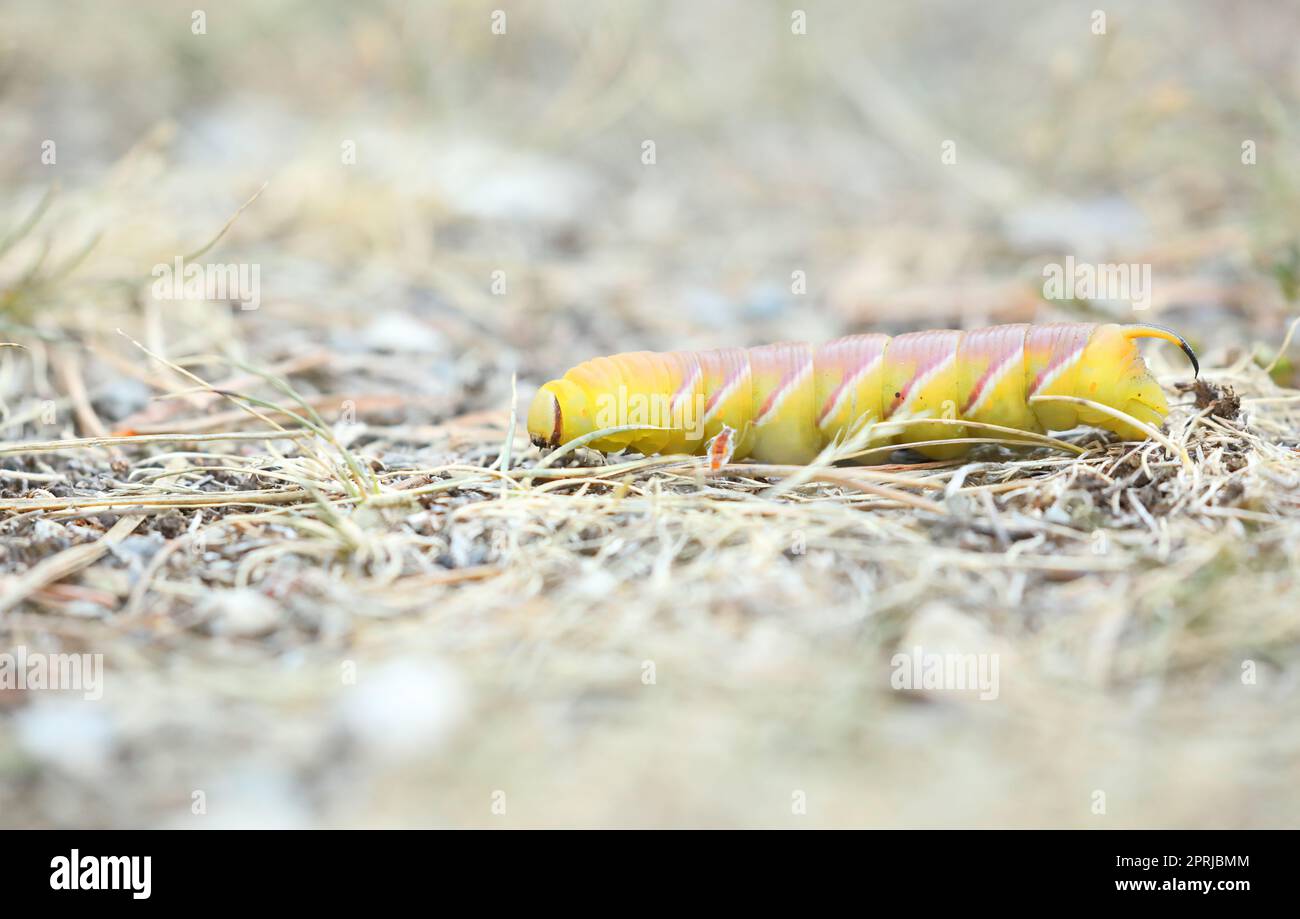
559	413
1113	373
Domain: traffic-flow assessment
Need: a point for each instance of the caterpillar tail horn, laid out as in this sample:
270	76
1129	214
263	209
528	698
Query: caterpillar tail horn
1160	332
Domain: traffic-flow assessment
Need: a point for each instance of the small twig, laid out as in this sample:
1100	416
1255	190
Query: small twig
80	443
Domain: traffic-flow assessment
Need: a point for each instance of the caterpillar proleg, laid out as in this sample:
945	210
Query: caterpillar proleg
784	403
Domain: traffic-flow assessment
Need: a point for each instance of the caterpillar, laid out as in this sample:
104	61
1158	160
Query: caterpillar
783	403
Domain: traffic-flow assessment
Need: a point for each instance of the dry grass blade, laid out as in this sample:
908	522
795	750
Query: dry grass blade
1115	413
841	477
565	449
81	443
26	225
225	228
1011	433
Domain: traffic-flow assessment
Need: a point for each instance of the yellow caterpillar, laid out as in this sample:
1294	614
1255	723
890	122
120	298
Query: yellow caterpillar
783	403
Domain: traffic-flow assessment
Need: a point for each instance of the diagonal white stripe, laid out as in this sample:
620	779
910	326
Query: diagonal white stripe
1054	374
727	391
923	381
995	378
852	383
795	382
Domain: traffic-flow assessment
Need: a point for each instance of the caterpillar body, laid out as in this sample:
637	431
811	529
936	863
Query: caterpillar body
783	403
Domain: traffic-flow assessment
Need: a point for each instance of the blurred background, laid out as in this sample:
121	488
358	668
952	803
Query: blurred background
455	192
